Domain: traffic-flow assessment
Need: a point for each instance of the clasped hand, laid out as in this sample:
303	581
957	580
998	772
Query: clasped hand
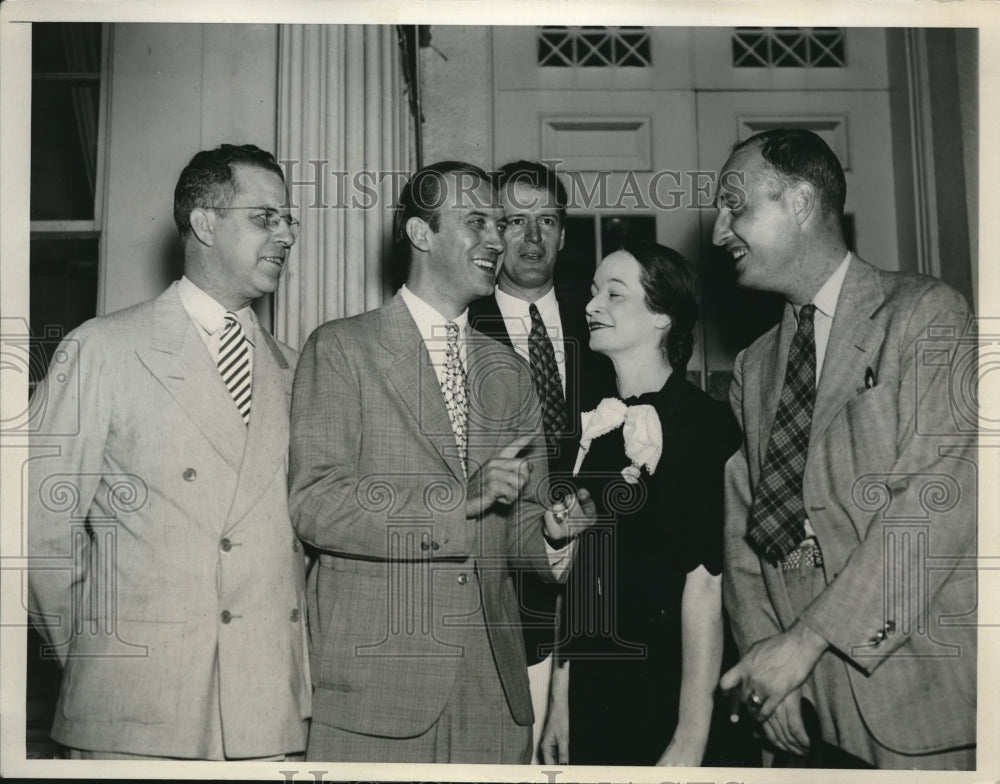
768	678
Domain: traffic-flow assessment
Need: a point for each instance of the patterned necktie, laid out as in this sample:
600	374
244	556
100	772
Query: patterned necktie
454	394
234	364
545	374
777	525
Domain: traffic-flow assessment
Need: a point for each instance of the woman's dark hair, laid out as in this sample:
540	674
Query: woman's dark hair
670	287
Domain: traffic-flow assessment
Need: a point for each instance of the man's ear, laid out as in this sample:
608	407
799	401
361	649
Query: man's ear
202	226
562	237
805	201
418	230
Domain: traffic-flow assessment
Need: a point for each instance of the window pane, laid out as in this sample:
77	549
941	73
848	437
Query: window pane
65	47
63	291
63	150
617	229
66	60
576	261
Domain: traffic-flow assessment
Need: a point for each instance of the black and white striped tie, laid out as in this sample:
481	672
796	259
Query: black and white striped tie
234	364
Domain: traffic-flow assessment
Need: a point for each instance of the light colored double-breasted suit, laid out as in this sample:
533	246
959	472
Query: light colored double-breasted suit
890	490
165	573
378	487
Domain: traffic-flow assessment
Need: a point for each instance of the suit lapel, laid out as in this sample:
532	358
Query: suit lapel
487	406
485	316
410	372
177	357
852	346
267	436
772	378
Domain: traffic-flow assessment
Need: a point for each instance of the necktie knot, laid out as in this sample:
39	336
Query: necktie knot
807	314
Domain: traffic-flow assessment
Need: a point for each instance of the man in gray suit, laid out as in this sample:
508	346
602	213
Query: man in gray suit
418	470
851	508
165	576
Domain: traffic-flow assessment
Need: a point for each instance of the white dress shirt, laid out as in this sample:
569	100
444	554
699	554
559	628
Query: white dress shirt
210	318
826	307
517	319
433	329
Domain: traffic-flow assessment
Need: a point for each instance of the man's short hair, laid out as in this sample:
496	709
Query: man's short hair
538	176
209	180
423	196
427	192
796	154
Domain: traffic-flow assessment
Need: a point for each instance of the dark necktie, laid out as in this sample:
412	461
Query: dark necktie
545	374
234	364
777	524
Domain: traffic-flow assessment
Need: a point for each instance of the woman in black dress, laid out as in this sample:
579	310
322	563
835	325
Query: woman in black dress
642	639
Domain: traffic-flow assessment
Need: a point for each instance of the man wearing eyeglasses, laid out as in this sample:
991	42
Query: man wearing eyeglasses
171	588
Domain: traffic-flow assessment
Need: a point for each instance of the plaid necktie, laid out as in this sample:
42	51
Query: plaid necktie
545	375
777	524
454	394
234	364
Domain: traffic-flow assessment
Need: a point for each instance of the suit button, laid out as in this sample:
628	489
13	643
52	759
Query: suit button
296	546
189	474
463	578
435	546
425	546
225	545
226	616
294	616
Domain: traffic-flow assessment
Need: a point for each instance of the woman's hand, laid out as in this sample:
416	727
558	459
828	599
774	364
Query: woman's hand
565	520
555	735
682	752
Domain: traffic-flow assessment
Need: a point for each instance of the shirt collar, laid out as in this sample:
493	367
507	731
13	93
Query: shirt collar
826	298
430	323
511	306
207	312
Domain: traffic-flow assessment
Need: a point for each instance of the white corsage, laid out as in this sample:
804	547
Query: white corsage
642	433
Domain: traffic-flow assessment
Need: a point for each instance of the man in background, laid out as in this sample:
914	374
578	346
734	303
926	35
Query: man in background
526	314
165	576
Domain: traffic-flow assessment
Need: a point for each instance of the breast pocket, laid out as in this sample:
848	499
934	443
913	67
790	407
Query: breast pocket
869	422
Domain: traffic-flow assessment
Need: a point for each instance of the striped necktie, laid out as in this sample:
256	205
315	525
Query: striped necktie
234	364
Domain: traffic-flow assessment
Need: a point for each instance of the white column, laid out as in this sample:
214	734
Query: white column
343	119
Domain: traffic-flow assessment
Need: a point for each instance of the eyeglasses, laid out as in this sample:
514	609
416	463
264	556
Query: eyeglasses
268	218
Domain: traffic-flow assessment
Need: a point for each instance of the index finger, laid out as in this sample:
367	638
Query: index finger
514	448
731	679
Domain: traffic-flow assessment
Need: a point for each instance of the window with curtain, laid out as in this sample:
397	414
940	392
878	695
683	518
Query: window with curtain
67	61
66	125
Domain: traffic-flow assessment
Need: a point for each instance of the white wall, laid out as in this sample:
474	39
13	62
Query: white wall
457	95
175	89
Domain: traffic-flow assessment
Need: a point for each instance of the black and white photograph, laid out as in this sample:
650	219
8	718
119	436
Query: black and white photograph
520	391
